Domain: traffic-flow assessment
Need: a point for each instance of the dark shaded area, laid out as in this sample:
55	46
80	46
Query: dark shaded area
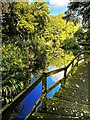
89	83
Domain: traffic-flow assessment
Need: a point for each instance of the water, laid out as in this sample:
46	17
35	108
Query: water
27	104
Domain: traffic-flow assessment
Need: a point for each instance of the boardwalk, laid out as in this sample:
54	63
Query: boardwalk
71	102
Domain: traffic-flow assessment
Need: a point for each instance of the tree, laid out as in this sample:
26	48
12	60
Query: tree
23	19
81	9
58	30
23	49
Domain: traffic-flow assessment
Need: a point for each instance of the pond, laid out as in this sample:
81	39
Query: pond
27	104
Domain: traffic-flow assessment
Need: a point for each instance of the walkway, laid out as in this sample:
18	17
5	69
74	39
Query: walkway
71	102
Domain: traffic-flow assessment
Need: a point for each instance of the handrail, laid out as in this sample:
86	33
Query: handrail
55	71
58	82
17	100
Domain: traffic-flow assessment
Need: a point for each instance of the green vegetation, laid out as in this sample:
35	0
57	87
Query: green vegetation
32	39
80	10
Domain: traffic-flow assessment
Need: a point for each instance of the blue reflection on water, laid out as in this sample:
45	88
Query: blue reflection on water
28	103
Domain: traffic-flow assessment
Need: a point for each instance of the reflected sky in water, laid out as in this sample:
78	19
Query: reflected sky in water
56	76
27	104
